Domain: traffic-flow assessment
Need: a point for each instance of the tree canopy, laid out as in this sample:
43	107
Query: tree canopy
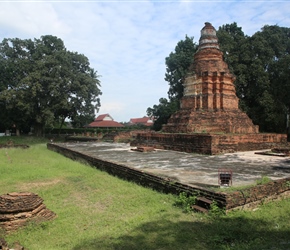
177	64
41	82
162	112
261	64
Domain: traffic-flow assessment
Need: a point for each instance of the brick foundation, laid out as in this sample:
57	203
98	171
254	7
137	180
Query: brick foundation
211	144
251	197
246	198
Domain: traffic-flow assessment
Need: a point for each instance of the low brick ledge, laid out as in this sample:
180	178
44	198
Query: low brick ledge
209	143
236	199
253	196
162	184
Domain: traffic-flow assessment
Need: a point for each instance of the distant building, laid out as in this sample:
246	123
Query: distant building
147	121
104	121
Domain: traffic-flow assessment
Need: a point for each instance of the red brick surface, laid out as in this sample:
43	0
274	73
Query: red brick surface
16	209
209	143
210	103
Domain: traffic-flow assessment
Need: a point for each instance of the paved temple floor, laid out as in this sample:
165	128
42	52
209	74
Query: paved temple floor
189	168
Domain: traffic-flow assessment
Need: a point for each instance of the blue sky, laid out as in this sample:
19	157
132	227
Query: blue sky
127	41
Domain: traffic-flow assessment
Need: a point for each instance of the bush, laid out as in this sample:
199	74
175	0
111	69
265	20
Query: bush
185	201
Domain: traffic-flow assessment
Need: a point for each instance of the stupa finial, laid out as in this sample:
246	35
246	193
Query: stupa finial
208	38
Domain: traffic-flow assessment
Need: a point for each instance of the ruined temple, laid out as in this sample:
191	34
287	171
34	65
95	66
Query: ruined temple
209	120
17	209
210	103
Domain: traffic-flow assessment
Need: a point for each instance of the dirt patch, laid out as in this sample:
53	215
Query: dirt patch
10	144
30	185
82	199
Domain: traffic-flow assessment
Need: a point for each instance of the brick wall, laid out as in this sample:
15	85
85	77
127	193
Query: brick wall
258	194
209	143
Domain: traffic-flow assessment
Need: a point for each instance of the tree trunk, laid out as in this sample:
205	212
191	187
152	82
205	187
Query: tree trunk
38	130
288	128
288	134
61	124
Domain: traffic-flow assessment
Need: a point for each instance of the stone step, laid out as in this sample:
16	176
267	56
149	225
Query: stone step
205	200
199	209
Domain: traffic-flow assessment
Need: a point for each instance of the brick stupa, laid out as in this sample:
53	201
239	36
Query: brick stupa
210	103
209	120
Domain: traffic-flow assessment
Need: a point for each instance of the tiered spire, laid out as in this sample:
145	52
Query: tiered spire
208	38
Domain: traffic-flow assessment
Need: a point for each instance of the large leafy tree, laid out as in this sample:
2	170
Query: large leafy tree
44	82
233	43
15	65
259	62
162	112
177	64
279	71
2	104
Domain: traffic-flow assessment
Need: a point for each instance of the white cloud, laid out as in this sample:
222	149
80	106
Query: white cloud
127	42
31	19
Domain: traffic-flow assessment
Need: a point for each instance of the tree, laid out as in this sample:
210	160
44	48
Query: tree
177	65
280	79
256	62
233	44
44	82
15	65
162	112
278	69
257	96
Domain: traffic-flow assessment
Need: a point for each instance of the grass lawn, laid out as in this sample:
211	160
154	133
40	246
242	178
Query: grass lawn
98	211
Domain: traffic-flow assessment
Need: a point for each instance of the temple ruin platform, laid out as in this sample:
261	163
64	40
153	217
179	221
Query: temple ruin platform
207	143
187	168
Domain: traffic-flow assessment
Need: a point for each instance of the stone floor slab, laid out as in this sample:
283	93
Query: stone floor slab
189	168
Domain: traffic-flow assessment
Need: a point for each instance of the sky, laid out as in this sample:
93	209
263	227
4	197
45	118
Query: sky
127	41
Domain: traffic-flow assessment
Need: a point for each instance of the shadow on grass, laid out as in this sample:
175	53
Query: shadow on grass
207	233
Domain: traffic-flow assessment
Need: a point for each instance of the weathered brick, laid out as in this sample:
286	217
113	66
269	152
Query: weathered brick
210	103
17	208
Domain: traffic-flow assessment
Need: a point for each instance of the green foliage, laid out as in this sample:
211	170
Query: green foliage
215	210
80	131
162	112
261	66
185	202
177	66
71	131
263	180
42	82
27	140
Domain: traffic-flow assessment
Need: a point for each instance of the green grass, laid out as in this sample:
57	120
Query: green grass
98	211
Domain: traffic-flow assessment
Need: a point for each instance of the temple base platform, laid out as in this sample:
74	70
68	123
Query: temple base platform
209	143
